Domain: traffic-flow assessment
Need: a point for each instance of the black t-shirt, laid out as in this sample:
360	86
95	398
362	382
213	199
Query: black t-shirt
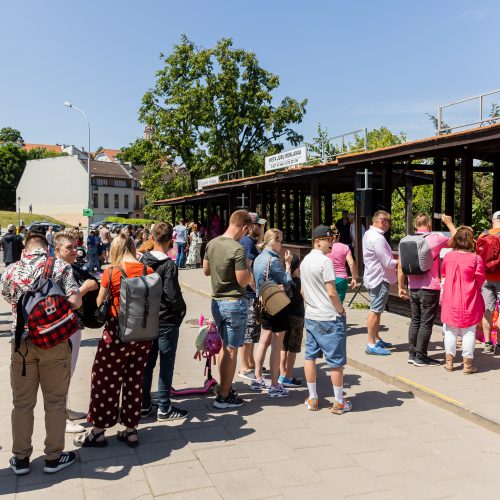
296	307
344	231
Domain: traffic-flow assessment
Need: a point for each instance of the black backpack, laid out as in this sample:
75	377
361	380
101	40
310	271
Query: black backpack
87	311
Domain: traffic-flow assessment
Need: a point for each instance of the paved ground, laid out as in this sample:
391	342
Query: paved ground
392	446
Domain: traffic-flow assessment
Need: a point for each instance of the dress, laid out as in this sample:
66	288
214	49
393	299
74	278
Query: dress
194	255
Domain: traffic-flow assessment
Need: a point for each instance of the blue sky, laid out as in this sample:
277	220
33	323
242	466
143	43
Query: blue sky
360	63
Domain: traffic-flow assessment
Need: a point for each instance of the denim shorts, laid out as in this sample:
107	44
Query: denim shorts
378	297
491	293
230	316
327	338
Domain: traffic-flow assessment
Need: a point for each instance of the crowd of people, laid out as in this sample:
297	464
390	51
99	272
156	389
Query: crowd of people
262	297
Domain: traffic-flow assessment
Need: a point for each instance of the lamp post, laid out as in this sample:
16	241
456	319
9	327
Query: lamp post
90	200
19	212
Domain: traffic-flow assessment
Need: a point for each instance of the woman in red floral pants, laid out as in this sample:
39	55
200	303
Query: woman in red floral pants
118	366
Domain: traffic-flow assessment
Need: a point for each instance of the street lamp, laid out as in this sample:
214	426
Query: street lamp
19	211
89	203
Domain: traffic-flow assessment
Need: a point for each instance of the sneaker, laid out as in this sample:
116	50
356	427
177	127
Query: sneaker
65	460
75	415
259	384
377	351
172	414
426	362
290	382
73	427
384	345
247	374
145	412
277	391
339	408
489	349
231	401
20	466
411	359
312	404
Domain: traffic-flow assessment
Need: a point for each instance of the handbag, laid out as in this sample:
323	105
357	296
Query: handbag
273	299
101	313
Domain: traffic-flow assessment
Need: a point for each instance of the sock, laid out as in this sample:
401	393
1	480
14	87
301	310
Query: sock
339	394
371	345
312	390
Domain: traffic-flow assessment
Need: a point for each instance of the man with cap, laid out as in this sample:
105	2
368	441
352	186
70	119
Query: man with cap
12	246
325	321
491	292
252	334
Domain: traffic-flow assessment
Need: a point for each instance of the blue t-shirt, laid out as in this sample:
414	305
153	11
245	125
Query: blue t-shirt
251	253
180	232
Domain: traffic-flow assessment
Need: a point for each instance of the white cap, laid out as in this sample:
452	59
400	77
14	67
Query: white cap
496	215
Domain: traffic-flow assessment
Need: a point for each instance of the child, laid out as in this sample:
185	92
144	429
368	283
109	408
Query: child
292	341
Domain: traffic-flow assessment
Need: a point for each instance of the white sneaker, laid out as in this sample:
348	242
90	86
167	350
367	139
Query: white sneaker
75	415
73	427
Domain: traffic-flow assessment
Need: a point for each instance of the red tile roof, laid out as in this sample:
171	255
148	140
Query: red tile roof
50	147
107	169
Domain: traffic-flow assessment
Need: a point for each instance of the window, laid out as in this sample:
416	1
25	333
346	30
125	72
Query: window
106	200
117	201
137	202
126	201
101	182
96	200
121	183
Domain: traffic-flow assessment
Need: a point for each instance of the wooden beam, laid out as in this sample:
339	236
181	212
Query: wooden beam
437	193
279	208
409	205
272	208
251	199
296	217
183	211
449	194
195	213
315	204
387	190
466	186
264	204
495	199
288	229
173	215
328	209
302	216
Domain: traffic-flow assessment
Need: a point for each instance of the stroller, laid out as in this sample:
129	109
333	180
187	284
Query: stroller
208	344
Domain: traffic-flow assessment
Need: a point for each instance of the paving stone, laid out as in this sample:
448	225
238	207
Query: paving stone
324	457
318	491
138	490
250	484
66	489
354	480
204	493
271	450
289	473
172	451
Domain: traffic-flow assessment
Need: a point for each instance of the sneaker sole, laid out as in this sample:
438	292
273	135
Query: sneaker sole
170	419
277	395
411	361
245	377
225	406
311	408
19	472
48	470
291	386
376	354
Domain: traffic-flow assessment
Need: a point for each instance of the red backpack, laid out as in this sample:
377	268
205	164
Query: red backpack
488	248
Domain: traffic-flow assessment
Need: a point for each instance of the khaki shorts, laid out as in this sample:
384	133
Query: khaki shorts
491	293
292	341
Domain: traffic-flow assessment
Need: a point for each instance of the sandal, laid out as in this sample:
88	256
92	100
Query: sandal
123	436
89	440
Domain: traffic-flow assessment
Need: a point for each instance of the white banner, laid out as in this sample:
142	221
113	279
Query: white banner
286	159
207	182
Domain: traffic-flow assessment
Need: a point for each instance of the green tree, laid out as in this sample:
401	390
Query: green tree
39	153
8	134
321	147
212	109
12	163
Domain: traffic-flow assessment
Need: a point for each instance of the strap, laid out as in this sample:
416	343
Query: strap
145	314
145	270
267	269
48	268
123	273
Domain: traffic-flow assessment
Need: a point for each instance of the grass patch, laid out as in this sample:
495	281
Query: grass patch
7	218
360	305
138	222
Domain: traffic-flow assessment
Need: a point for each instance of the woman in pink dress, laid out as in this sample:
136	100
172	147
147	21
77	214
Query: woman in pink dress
462	306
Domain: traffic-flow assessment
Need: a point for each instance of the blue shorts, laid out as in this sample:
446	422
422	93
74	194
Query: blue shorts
230	316
378	297
327	338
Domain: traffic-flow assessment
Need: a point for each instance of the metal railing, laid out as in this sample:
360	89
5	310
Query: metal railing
482	120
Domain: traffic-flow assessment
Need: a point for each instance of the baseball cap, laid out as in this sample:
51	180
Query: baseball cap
256	219
321	231
496	215
11	227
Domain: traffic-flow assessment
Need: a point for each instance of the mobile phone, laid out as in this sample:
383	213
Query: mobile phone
438	216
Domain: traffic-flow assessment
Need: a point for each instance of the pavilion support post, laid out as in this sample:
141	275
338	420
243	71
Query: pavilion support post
231	198
296	217
449	194
409	204
495	199
209	220
264	204
279	208
437	192
466	190
195	213
272	209
328	209
302	216
173	215
315	204
288	230
358	248
387	189
252	202
183	211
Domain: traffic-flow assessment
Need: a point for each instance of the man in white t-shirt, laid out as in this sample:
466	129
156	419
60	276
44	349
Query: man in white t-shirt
325	320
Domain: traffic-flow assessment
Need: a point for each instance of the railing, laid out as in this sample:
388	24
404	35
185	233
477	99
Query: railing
482	120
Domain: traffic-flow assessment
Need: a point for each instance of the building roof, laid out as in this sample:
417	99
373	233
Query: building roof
56	148
110	153
107	169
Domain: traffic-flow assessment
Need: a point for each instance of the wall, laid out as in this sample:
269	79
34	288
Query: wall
101	213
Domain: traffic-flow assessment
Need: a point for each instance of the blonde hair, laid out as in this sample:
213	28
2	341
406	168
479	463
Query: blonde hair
271	236
67	234
122	246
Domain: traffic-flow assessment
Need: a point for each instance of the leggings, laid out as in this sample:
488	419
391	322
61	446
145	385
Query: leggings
468	340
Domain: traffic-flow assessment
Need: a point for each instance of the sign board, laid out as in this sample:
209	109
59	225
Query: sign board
286	159
207	182
88	212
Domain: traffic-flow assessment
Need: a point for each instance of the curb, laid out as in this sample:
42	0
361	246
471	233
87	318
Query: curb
428	395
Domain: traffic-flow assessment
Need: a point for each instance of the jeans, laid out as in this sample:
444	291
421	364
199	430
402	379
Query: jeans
93	260
424	307
180	259
327	338
166	347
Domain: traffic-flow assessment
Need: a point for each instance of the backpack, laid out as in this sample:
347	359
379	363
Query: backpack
488	248
46	311
87	312
415	254
208	341
140	299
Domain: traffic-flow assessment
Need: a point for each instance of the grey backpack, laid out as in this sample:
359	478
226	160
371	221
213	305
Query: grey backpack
139	312
415	254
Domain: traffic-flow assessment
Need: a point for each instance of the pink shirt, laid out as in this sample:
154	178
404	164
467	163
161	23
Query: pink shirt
430	280
338	256
463	304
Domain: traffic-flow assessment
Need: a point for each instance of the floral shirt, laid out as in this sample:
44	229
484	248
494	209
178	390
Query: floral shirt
20	276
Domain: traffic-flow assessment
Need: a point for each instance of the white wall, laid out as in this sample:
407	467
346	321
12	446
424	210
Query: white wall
100	212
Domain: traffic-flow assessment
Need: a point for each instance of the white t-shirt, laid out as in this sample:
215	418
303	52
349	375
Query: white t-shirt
316	270
49	236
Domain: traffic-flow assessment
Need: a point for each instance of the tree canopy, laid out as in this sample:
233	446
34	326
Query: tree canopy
9	134
212	110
